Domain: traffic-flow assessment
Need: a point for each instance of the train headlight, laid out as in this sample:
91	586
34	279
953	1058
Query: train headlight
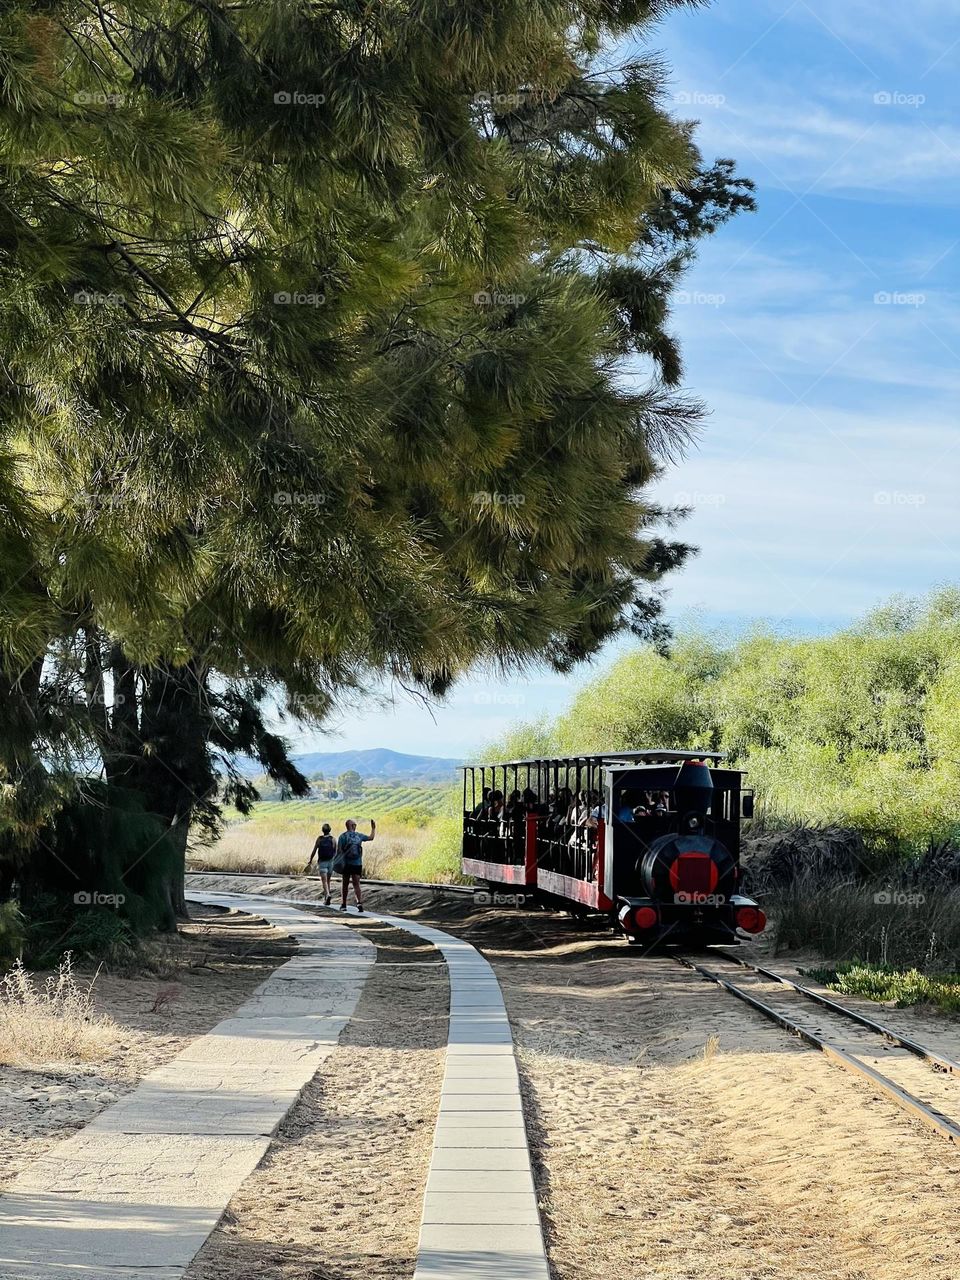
645	918
751	919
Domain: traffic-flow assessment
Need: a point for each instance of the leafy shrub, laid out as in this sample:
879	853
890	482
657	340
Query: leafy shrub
97	934
438	861
101	842
882	982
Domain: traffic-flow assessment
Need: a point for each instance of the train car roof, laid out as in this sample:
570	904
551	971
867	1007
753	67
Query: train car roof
627	759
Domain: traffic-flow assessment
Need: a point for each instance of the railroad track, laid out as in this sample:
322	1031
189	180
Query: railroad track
446	890
924	1083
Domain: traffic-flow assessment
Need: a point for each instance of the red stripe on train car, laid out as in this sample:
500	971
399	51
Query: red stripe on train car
568	887
504	872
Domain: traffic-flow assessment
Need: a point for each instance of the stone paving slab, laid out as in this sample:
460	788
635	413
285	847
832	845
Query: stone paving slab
457	1088
480	1160
224	1110
471	1208
464	1066
467	1181
485	1136
48	1232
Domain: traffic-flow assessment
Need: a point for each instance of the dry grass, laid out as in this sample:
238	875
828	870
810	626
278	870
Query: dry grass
245	847
54	1022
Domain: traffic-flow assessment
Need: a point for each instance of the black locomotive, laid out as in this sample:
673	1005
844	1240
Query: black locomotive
650	838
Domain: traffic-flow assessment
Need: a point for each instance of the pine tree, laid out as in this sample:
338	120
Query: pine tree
312	355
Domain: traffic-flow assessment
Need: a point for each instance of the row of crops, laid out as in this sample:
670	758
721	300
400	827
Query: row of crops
377	801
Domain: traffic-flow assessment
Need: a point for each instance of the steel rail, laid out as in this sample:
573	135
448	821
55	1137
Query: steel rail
946	1127
937	1060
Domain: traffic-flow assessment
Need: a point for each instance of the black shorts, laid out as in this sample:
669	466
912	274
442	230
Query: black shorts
352	869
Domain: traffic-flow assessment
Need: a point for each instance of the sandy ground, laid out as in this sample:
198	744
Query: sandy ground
215	964
339	1194
678	1135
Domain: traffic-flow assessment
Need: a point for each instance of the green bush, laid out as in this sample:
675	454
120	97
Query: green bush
882	982
439	860
100	936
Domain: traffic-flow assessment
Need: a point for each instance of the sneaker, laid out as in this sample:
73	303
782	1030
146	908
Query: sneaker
343	906
326	901
360	907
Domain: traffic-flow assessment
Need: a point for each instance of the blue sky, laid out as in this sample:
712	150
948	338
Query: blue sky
822	332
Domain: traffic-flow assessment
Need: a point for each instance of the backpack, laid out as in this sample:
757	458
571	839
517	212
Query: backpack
326	849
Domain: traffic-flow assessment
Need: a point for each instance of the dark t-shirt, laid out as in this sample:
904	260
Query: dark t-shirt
350	848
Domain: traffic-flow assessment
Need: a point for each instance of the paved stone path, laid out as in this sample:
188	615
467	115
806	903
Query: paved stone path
120	1199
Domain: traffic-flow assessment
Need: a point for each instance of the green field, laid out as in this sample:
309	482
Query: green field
411	805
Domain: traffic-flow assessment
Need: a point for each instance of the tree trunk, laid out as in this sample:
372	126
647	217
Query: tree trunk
20	769
175	771
123	750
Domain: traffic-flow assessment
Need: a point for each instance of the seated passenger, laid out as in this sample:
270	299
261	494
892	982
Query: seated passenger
514	806
625	812
479	810
530	802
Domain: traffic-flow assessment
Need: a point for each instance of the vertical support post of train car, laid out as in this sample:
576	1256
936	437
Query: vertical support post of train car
604	903
530	849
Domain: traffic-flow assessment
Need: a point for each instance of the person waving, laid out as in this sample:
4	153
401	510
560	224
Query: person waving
350	856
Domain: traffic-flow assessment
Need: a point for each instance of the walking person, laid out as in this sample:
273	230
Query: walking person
350	855
324	850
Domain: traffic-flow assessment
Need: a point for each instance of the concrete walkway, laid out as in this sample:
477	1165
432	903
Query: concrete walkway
120	1199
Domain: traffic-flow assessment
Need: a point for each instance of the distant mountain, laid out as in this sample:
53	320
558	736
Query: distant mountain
379	764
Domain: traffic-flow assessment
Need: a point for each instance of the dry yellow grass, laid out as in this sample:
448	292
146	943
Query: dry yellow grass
246	847
54	1022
